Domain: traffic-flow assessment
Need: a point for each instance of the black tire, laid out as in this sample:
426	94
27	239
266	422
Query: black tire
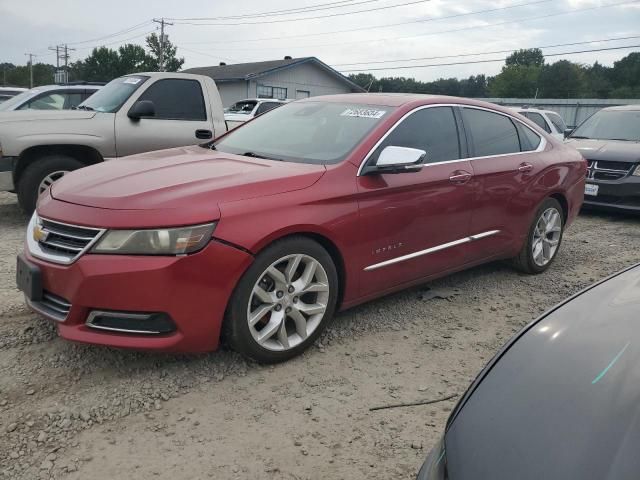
236	331
524	261
36	172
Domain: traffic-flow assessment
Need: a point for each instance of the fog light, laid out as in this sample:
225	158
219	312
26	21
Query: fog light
126	322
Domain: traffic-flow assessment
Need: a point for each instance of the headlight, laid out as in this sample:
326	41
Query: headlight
162	241
637	171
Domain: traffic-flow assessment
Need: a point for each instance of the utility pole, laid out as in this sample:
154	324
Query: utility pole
31	55
162	23
62	53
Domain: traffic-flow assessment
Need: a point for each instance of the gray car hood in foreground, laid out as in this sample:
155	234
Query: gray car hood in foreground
563	401
610	150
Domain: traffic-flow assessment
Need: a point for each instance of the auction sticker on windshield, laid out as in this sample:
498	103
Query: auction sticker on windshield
591	189
363	113
133	80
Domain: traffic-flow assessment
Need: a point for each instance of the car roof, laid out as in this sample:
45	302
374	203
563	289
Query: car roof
45	88
13	89
261	100
624	108
539	110
404	99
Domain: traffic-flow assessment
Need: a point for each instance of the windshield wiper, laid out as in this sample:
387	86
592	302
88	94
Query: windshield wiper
579	136
622	139
83	107
255	155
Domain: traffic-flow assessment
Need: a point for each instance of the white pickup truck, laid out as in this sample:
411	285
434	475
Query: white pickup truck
131	114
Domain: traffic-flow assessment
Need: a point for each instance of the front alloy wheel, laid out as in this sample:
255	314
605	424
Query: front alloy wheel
283	301
288	302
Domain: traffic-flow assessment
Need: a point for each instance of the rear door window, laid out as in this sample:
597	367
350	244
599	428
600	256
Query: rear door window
538	120
433	130
492	133
176	99
266	106
557	121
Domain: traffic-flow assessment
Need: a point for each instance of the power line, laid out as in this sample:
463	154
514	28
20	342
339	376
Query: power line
440	32
494	60
115	34
305	18
288	11
487	53
388	25
118	41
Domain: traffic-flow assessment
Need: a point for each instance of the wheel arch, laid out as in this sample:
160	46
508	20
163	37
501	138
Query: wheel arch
320	237
82	153
562	200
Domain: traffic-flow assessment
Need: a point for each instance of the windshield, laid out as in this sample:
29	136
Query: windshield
18	99
111	97
306	132
611	125
245	107
557	121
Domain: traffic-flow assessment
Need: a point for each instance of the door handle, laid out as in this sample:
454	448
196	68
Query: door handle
204	134
460	176
525	167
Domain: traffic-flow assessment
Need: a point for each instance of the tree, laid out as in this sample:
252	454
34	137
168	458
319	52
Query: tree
170	61
102	65
531	57
133	59
562	79
515	81
625	77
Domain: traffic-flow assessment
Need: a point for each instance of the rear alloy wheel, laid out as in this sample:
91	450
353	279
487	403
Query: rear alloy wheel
283	301
543	240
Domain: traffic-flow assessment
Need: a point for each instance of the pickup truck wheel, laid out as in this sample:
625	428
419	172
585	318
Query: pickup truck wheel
39	175
283	301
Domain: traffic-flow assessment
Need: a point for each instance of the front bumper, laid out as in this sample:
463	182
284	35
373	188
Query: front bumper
7	165
192	290
623	194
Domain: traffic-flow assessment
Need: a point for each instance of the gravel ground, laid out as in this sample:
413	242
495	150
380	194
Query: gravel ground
72	411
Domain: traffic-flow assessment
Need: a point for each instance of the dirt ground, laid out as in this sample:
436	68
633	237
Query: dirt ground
75	412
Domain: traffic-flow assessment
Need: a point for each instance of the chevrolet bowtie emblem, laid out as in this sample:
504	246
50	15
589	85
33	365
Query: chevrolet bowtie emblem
39	235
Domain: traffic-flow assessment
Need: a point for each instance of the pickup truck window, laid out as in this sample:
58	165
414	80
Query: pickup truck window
176	99
112	96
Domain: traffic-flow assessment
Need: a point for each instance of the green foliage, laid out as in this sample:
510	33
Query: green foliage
525	75
515	81
531	57
170	61
102	65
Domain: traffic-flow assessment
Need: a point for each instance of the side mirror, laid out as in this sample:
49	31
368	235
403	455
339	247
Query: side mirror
140	109
567	132
398	160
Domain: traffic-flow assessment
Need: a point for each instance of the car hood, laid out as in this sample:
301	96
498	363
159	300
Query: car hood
562	400
181	178
611	150
44	115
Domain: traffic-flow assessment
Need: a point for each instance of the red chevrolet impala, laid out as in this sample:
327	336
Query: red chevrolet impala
260	236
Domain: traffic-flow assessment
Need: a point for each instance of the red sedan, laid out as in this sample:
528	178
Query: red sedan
261	235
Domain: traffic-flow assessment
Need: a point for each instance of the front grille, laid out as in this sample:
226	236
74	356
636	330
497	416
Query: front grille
52	306
60	242
605	170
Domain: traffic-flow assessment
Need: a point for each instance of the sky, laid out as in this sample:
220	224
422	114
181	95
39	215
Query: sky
387	31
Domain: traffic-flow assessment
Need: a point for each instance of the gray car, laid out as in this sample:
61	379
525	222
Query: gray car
559	401
610	142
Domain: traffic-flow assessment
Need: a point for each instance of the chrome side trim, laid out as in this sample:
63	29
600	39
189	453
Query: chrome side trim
541	146
428	251
34	247
136	316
